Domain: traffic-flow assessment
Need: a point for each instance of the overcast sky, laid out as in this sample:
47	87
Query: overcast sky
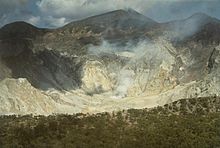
56	13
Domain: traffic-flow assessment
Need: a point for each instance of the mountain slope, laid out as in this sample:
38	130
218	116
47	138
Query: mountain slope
122	25
117	60
118	19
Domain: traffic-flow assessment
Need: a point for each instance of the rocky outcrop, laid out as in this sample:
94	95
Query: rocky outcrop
19	97
95	78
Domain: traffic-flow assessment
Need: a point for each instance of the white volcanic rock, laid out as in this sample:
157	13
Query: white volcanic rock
19	97
95	78
139	83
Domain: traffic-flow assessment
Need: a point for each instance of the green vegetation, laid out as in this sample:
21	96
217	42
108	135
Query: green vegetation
185	123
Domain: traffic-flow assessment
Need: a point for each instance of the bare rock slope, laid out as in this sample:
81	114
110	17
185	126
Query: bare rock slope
117	60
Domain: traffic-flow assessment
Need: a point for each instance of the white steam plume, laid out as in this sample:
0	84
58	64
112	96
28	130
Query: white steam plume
144	55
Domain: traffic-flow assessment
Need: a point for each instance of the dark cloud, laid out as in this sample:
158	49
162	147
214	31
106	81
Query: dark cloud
16	10
169	10
55	13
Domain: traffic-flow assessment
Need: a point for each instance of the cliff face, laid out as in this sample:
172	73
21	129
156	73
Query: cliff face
102	64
